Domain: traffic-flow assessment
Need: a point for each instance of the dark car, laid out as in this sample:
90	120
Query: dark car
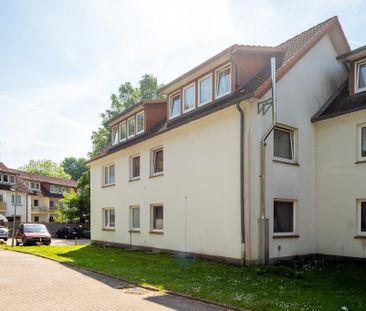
67	233
31	234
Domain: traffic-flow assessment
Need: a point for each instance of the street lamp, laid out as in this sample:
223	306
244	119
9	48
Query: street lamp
14	188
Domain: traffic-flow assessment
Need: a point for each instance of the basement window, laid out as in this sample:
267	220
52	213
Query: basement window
360	76
284	217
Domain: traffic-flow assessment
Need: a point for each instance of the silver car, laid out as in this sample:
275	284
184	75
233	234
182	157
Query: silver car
3	233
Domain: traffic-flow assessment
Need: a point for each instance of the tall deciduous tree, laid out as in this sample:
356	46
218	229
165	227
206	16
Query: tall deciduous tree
75	167
126	96
46	167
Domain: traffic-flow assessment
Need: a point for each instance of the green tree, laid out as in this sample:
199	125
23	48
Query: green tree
76	204
126	96
75	167
45	167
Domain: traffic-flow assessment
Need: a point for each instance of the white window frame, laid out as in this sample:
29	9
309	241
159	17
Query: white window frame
2	178
295	213
14	179
116	130
132	207
293	136
152	161
108	226
122	124
136	122
128	127
170	106
109	183
13	199
193	84
131	167
358	215
152	206
38	187
217	71
359	142
199	90
357	72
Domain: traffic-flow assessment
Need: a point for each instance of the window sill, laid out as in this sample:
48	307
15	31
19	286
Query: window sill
284	236
286	162
134	231
360	237
156	232
360	161
156	175
108	229
134	179
109	185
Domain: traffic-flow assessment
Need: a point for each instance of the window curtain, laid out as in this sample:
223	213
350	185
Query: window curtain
111	174
115	136
175	106
363	142
189	98
362	76
224	82
158	163
205	90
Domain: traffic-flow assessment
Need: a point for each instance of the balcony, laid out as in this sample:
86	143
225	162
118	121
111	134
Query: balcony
40	209
3	207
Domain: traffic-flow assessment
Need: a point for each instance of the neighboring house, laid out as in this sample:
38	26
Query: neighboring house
182	175
37	196
341	164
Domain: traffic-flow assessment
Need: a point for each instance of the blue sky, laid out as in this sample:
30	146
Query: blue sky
61	60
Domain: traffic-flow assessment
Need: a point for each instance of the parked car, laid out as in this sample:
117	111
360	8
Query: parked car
68	233
30	234
4	233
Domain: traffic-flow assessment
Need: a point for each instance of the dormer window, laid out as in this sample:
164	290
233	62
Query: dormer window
115	135
140	122
174	106
189	97
223	81
361	76
6	178
123	131
12	179
205	90
35	186
131	127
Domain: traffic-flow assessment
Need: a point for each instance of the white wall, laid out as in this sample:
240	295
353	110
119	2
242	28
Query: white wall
301	92
21	209
340	182
199	189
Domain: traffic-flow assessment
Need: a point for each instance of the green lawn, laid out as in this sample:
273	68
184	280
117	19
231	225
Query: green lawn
311	285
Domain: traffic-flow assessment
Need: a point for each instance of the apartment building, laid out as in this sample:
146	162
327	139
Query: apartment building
184	174
37	196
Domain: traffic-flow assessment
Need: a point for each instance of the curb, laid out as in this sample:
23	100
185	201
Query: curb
151	288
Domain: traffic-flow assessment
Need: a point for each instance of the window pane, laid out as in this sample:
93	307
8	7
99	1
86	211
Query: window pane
105	218
111	174
106	175
363	142
205	90
189	97
136	167
223	82
158	161
283	144
115	135
283	217
140	122
175	106
131	127
5	178
136	217
1	198
111	218
363	216
362	76
12	179
123	131
158	218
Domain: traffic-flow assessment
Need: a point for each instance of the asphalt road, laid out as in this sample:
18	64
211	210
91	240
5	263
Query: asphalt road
32	283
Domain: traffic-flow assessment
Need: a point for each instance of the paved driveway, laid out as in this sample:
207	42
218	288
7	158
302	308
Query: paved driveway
33	283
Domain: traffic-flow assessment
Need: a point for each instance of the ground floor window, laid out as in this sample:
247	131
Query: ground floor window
361	215
19	199
284	217
135	217
109	218
157	217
